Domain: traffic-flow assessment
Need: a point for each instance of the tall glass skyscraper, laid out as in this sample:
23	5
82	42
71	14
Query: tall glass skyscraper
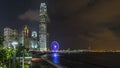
43	27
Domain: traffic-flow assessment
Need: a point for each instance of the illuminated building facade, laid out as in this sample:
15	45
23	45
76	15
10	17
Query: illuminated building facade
43	27
7	33
26	31
26	37
34	34
9	36
21	38
34	44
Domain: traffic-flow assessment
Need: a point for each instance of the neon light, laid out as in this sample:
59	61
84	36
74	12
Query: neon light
54	46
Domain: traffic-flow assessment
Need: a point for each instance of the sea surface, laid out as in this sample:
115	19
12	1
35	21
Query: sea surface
86	59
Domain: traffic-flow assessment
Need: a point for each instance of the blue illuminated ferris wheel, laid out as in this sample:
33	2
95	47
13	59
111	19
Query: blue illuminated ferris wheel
54	46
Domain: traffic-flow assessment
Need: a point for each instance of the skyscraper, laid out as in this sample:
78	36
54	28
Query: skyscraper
34	42
26	37
26	31
9	36
43	27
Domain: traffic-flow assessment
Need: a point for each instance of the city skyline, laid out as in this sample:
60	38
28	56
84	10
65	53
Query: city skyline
74	24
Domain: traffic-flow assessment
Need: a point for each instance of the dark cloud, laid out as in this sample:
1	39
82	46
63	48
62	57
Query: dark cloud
32	15
94	22
104	11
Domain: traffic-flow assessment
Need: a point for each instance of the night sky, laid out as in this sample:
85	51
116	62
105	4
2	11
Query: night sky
75	24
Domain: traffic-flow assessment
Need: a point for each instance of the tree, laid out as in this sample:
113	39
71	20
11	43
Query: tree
5	55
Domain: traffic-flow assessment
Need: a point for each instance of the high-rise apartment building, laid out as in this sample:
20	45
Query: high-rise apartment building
9	36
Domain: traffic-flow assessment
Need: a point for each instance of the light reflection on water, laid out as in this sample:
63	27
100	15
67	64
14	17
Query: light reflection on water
55	58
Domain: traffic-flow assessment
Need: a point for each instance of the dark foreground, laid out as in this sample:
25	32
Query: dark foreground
82	60
40	64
